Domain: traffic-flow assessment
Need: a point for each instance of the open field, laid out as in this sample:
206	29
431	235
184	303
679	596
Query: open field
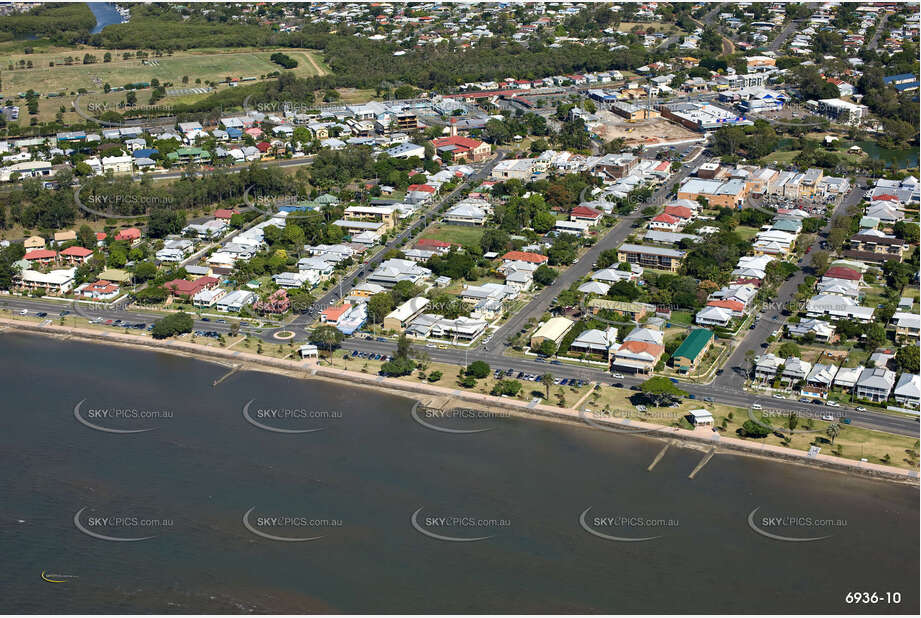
462	234
196	65
649	131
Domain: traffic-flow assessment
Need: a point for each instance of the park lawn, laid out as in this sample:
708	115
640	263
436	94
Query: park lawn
351	95
746	232
681	317
197	64
466	235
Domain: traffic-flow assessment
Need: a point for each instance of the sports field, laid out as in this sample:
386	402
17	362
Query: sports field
204	65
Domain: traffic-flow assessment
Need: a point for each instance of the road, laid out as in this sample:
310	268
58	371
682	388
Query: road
737	367
879	30
785	33
614	238
347	282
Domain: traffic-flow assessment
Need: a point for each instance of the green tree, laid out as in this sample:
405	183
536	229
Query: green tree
908	358
478	369
660	390
171	325
547	347
789	349
327	337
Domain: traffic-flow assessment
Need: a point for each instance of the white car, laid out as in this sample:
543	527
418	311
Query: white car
832	404
776	396
860	409
24	312
756	406
828	417
619	376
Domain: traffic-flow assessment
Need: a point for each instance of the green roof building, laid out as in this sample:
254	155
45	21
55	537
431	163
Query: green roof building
692	349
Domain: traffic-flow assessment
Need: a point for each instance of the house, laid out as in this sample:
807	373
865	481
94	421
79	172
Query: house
184	287
631	311
33	242
53	282
636	355
586	214
525	256
399	318
76	255
660	258
333	315
594	287
131	235
821	330
838	307
613	275
99	290
713	316
875	384
465	214
877	248
846	378
461	328
908	390
819	381
595	341
795	370
766	366
417	194
907	326
665	223
457	149
390	272
693	349
700	417
43	257
62	237
236	301
552	330
207	297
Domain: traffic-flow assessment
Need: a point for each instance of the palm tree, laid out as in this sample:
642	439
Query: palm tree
832	432
547	379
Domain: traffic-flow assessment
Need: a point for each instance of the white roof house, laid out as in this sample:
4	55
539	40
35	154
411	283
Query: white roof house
908	390
595	340
713	316
847	376
594	287
875	384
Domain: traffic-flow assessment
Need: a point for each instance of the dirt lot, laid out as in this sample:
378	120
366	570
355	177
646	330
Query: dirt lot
644	132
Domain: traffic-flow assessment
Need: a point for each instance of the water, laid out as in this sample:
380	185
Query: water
106	15
372	468
900	159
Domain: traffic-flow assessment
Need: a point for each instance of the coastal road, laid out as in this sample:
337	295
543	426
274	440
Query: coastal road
730	395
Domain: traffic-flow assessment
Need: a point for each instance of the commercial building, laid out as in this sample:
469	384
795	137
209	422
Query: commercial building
553	330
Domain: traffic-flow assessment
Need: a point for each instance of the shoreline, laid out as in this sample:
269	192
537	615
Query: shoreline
703	439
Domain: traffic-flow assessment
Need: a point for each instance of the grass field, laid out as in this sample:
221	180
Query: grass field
199	64
462	234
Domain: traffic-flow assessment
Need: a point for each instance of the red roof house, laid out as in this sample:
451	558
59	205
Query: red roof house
584	213
184	287
843	272
463	148
130	234
331	315
525	256
681	212
224	213
42	256
76	254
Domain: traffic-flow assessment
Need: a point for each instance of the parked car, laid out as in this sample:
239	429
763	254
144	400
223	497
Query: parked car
619	376
778	396
832	404
845	420
860	409
708	399
756	406
828	417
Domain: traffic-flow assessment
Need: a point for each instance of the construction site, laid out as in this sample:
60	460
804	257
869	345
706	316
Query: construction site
641	132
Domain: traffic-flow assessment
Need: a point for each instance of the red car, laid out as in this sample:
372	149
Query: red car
808	249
